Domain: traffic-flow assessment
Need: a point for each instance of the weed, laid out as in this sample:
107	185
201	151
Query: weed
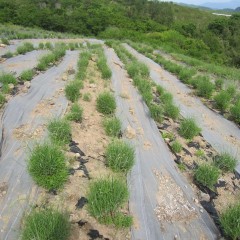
105	197
222	100
225	162
112	126
219	84
166	98
106	103
76	113
47	166
102	65
188	128
231	90
160	90
235	112
168	135
46	224
120	156
181	167
207	175
171	111
26	47
49	46
186	74
72	91
59	131
27	75
176	147
156	112
6	89
87	97
137	69
230	221
7	78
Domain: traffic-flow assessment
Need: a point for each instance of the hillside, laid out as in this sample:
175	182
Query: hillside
193	32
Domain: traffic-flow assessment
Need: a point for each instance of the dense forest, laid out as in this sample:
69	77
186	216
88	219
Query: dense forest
194	32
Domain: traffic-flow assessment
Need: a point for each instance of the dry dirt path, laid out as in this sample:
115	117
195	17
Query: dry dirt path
221	133
23	122
161	200
22	62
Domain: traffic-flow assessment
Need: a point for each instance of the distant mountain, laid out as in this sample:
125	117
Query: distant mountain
222	5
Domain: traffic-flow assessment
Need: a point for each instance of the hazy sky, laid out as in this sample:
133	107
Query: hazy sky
196	1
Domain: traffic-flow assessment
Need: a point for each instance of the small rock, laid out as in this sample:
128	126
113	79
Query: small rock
196	200
130	133
77	155
175	237
27	84
76	165
64	77
11	86
204	197
92	85
2	45
79	173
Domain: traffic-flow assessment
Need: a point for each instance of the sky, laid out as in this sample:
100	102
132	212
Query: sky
196	1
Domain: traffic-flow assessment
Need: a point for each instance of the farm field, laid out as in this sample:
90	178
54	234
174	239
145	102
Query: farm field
100	140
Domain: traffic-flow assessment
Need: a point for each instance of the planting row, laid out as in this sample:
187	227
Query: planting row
47	165
209	170
225	99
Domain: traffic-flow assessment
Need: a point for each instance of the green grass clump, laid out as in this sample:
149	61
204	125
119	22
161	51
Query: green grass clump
27	75
46	224
26	47
186	74
2	99
41	45
222	100
8	54
176	147
49	46
7	78
225	162
204	87
120	156
59	131
112	126
106	103
76	113
72	91
136	68
188	128
105	198
230	221
156	112
171	111
5	41
219	84
235	112
207	175
102	65
166	98
87	97
47	166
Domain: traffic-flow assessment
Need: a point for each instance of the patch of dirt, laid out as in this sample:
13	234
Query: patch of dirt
92	141
3	189
172	205
43	108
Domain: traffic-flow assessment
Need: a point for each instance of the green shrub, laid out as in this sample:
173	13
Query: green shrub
222	100
27	75
46	224
59	131
120	156
105	198
176	147
87	97
188	128
207	175
205	88
72	91
106	103
47	166
235	112
76	113
171	111
26	47
230	221
112	126
7	78
156	112
225	162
